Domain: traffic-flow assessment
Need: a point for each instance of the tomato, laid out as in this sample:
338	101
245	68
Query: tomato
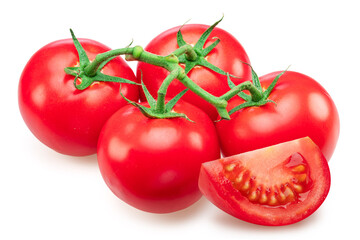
303	108
277	185
228	55
153	164
60	116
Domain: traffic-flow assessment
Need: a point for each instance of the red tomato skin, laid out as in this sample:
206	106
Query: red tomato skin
60	116
303	108
220	191
228	55
153	164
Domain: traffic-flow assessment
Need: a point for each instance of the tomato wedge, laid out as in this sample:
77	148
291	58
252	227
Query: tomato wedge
277	185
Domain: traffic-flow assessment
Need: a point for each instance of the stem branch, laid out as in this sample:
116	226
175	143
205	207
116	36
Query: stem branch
91	69
216	101
160	104
188	50
256	94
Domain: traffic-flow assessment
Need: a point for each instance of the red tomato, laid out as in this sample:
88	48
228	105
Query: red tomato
64	118
277	185
303	108
153	164
228	55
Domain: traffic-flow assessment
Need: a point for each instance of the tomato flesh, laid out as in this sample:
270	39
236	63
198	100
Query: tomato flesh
277	185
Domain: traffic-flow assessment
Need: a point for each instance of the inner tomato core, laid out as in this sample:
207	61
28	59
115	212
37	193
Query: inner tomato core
278	185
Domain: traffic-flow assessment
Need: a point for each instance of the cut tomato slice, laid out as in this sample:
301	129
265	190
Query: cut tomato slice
277	185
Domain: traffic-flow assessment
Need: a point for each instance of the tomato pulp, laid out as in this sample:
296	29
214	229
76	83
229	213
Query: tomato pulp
303	108
60	116
228	55
153	164
277	185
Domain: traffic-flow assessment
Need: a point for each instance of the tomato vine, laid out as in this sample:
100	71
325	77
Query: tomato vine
186	54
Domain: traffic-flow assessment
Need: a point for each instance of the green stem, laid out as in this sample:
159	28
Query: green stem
137	53
188	50
216	101
91	69
160	103
256	94
156	60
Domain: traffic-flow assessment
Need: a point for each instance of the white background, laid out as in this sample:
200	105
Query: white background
45	195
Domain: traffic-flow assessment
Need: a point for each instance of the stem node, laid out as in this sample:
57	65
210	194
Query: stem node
137	51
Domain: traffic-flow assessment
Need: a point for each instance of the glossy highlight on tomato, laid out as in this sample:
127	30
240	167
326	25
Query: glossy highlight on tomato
60	116
153	164
228	55
302	108
277	185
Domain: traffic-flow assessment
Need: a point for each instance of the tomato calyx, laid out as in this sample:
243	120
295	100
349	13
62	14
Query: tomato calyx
89	75
197	57
158	108
258	96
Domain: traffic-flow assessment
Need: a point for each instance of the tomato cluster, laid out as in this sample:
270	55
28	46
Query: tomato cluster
161	155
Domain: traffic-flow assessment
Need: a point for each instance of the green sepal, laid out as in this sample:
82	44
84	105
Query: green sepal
170	105
203	62
207	50
79	72
189	65
201	42
75	71
107	78
150	99
85	82
243	95
273	83
180	39
83	58
254	77
250	104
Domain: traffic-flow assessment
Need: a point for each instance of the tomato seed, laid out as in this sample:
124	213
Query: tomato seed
299	168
